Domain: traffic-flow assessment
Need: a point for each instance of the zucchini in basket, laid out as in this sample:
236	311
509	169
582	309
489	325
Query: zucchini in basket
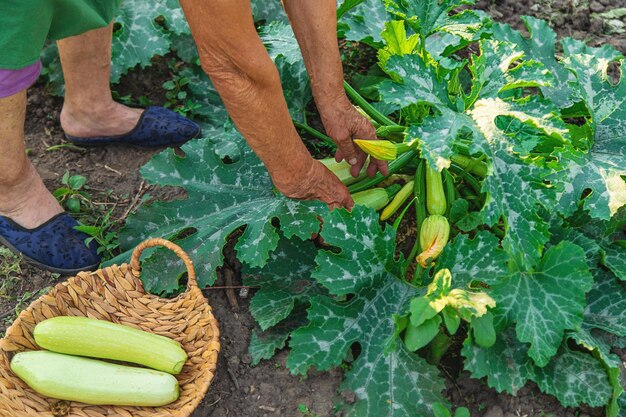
102	339
92	381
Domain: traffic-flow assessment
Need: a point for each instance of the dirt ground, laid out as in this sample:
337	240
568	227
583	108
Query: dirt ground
268	389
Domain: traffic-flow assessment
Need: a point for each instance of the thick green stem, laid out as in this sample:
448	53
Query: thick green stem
315	133
467	177
498	232
394	133
367	107
394	166
419	192
448	184
474	166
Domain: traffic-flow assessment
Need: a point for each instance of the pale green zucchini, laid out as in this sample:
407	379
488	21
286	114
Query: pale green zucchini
91	381
102	339
342	170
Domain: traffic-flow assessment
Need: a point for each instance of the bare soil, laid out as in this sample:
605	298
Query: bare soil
269	389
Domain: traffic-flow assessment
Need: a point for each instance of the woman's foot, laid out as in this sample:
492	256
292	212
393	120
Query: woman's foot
26	200
156	128
33	224
112	119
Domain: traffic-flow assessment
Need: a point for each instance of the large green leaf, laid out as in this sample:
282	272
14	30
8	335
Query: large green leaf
211	109
430	16
575	378
296	88
506	364
364	254
547	301
283	281
606	235
540	46
612	364
477	259
268	11
395	384
139	37
365	22
606	307
264	344
279	39
600	169
561	230
231	190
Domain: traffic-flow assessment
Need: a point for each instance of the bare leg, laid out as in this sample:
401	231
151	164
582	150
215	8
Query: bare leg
89	109
23	196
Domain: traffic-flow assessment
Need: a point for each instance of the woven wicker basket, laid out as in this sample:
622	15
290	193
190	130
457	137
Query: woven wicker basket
116	294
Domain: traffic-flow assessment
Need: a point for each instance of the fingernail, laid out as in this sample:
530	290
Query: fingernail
353	161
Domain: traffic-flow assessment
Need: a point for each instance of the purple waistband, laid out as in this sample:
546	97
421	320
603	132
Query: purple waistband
14	81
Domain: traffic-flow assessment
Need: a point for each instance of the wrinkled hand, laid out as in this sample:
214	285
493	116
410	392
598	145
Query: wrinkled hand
315	183
344	123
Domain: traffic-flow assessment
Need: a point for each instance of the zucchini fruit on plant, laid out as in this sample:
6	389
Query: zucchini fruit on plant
376	198
90	381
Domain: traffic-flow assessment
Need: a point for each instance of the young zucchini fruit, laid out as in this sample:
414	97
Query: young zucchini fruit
435	197
376	198
398	200
91	381
102	339
342	170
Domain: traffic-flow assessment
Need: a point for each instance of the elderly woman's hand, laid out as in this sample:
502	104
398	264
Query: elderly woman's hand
315	182
344	123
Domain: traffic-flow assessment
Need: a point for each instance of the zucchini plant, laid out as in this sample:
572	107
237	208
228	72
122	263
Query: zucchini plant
518	152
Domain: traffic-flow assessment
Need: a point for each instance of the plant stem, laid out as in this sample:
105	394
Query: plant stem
315	133
367	107
467	177
498	232
474	166
394	133
394	166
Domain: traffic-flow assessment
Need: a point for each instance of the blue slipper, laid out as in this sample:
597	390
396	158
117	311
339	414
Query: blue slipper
54	246
157	127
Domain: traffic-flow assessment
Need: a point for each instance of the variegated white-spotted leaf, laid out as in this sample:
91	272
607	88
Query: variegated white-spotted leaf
283	281
546	302
505	364
365	254
227	188
540	46
395	384
575	378
594	341
478	259
279	39
139	37
364	22
606	304
601	169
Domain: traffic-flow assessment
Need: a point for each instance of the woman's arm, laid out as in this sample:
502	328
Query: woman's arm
234	57
315	26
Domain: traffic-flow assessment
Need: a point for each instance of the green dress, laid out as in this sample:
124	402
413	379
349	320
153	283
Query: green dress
26	24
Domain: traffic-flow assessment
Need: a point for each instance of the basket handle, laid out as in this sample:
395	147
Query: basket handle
135	265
